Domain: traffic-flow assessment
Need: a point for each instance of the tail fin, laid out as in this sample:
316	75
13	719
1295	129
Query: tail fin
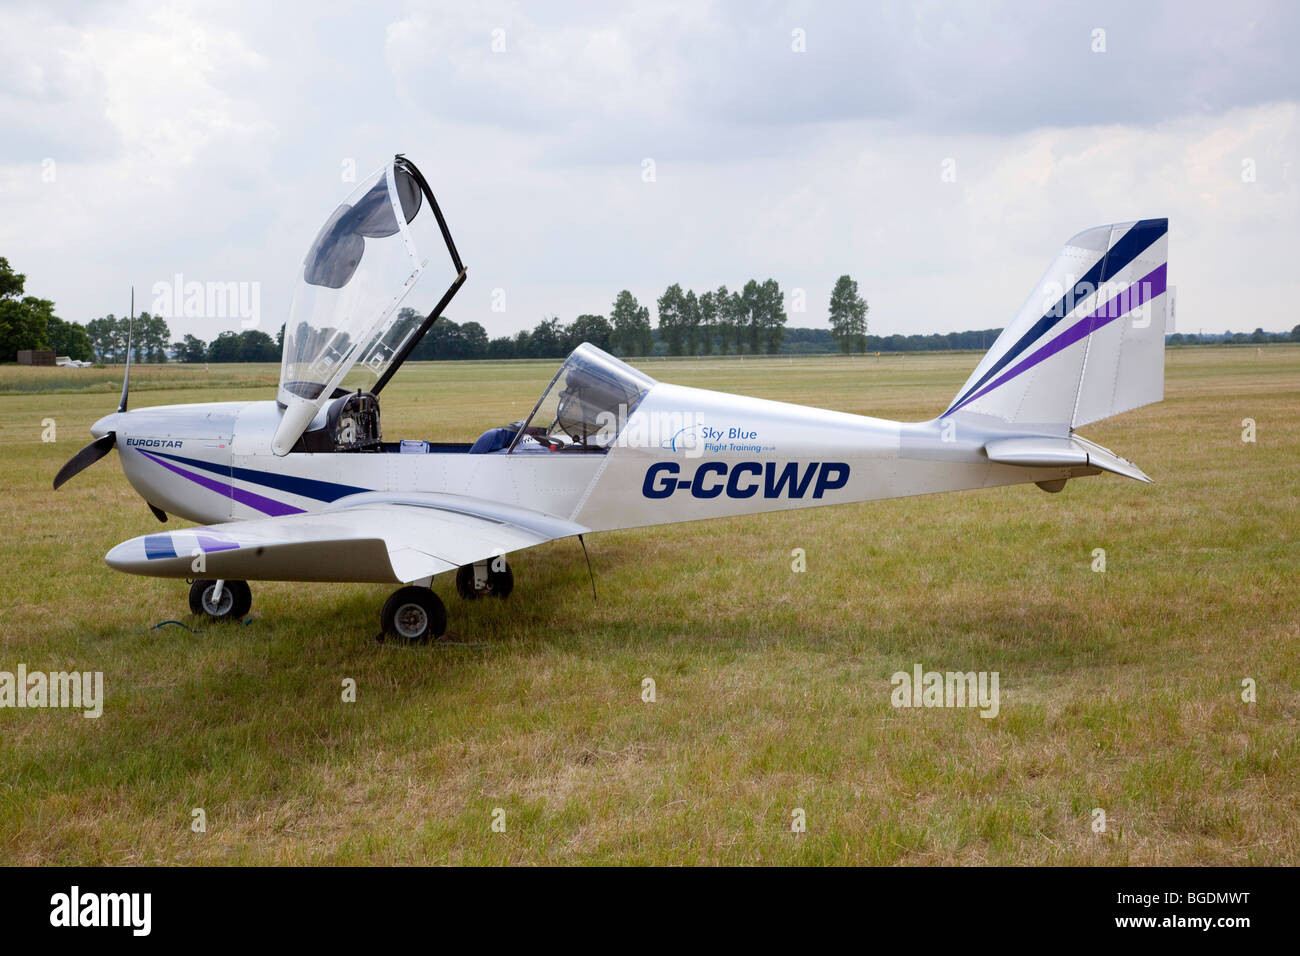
1089	342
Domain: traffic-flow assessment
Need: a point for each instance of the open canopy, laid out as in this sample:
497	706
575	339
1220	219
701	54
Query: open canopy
363	298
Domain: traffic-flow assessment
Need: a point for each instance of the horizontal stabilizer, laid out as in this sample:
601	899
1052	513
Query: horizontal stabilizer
1066	452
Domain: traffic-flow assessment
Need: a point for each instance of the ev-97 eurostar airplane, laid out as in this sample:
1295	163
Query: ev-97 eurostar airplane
306	488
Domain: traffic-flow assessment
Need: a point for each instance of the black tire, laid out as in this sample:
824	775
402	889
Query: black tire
413	615
502	582
499	585
465	582
233	605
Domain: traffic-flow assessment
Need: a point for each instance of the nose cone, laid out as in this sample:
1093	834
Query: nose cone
105	425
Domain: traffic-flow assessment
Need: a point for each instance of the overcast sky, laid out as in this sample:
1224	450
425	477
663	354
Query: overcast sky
796	141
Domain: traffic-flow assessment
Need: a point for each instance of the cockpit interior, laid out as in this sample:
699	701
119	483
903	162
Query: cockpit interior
582	411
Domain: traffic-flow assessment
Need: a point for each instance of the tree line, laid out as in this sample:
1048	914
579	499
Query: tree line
250	345
1258	337
751	320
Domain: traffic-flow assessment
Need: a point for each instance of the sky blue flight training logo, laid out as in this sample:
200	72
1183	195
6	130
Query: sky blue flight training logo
716	441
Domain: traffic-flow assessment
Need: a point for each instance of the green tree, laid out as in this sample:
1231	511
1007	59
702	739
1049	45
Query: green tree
124	335
752	316
68	338
848	315
11	283
548	339
738	321
523	343
708	322
474	341
257	346
24	322
769	317
441	343
729	320
693	323
225	348
190	349
673	319
591	328
631	323
149	337
102	333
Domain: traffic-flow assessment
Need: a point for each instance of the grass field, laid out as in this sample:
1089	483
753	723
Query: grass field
1120	691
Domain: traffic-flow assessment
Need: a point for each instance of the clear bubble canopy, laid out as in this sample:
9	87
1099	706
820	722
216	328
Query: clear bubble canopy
363	293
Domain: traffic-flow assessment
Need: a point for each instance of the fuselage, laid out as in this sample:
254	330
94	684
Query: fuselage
683	454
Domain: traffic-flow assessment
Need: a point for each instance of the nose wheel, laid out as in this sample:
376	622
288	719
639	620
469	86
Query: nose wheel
413	615
221	600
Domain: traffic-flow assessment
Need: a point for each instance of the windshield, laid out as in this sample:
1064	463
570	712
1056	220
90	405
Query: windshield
362	293
586	405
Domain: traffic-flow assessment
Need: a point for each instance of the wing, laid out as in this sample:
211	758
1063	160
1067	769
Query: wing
367	537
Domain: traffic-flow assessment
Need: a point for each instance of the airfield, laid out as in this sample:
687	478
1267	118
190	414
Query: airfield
1120	690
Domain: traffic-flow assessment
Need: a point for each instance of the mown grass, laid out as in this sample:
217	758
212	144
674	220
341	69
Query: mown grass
33	380
1119	691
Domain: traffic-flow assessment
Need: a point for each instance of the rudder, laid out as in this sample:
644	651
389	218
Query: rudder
1089	341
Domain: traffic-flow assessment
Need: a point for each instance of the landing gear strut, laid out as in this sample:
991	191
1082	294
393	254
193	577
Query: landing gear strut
414	615
221	600
478	580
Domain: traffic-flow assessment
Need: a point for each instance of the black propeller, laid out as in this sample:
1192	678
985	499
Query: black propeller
101	446
126	375
83	459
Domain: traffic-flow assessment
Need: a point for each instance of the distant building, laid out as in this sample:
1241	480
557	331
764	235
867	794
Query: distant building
36	357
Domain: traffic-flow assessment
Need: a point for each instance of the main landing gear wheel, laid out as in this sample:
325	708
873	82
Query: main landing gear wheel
479	580
414	615
231	604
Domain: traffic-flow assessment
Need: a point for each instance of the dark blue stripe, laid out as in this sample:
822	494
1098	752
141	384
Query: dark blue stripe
307	487
159	546
1130	245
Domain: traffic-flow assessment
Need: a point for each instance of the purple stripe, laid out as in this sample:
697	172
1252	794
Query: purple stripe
265	505
1145	289
210	542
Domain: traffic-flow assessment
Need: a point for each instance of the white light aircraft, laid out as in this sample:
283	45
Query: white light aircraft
306	488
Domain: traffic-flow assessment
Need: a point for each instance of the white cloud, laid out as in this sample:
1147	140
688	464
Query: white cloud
211	144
